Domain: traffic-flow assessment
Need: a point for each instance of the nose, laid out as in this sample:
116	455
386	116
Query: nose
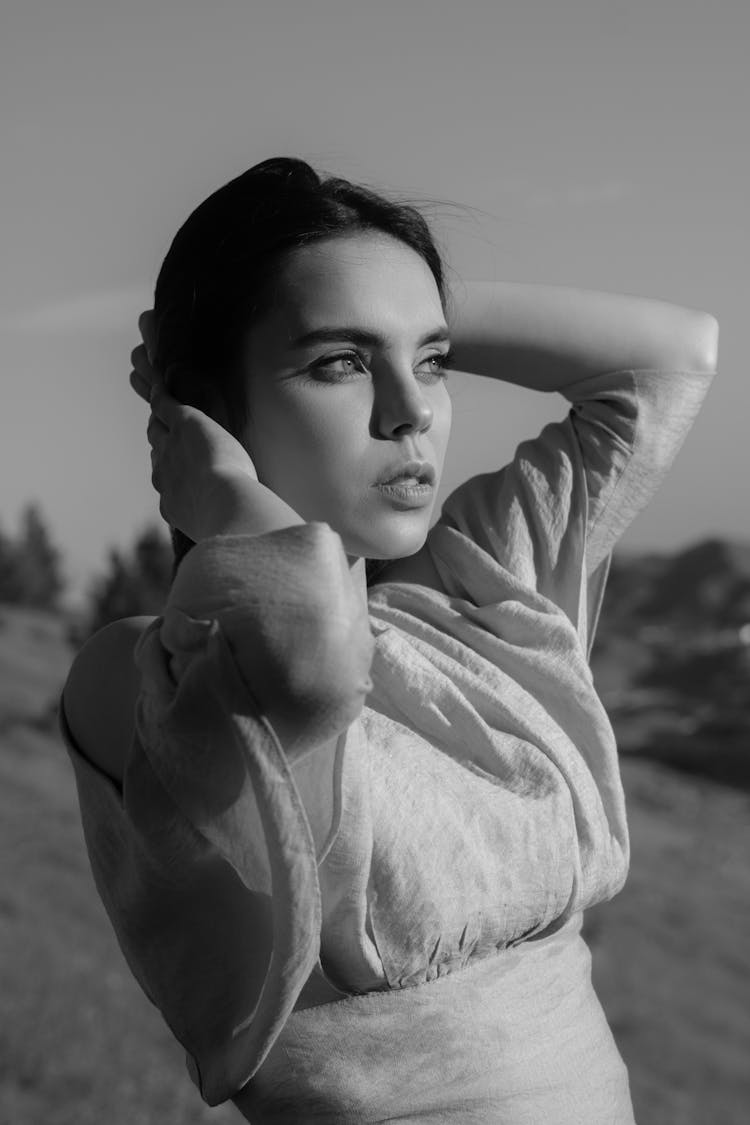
401	407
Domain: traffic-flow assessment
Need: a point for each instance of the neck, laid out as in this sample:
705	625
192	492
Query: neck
358	574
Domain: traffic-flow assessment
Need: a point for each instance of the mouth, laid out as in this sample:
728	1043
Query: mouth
409	475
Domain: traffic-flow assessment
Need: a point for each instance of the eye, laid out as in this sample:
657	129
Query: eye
346	365
341	366
440	362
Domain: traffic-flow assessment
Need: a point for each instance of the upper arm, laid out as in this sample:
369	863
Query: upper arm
100	693
546	337
553	515
630	426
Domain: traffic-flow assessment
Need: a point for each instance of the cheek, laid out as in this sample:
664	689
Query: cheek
324	442
298	443
441	426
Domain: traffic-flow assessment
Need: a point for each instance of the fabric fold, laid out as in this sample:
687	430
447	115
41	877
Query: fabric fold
205	858
478	807
178	736
516	1038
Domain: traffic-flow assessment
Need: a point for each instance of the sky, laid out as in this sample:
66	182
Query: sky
591	143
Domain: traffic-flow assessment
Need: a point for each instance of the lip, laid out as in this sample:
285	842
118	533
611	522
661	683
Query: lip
407	493
409	473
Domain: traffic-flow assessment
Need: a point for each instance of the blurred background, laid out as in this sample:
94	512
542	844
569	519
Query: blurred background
580	142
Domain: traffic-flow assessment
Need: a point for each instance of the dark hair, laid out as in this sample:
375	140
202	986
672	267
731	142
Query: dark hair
216	277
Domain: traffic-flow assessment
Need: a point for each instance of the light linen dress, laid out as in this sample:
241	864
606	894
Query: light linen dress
433	864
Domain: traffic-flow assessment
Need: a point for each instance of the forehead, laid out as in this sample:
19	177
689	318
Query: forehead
363	278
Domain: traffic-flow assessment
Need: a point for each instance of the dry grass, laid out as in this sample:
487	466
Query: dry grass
80	1045
671	961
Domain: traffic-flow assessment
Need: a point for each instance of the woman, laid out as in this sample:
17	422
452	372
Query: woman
348	797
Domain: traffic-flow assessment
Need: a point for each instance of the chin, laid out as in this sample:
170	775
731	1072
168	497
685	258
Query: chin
398	540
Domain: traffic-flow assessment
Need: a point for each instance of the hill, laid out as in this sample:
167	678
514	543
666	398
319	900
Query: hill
707	585
80	1045
671	659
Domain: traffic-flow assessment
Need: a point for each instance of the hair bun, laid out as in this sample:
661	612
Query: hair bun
286	172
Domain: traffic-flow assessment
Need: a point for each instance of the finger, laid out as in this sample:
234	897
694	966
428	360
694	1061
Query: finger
141	362
165	407
140	385
155	429
147	328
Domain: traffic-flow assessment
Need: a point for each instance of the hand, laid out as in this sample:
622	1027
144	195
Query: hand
198	468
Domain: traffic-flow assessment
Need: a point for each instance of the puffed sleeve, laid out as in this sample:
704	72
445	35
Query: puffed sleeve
552	516
205	860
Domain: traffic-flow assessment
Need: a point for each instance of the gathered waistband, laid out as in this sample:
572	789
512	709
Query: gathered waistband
517	1038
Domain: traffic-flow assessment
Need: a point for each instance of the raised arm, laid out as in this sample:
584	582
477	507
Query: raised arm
199	828
635	371
205	856
547	337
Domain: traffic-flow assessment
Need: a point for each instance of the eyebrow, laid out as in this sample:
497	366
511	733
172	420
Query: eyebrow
361	337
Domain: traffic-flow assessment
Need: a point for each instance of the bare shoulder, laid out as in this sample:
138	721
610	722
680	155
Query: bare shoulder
100	693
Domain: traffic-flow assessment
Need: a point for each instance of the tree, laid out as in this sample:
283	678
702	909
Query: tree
153	561
30	572
42	578
10	577
135	583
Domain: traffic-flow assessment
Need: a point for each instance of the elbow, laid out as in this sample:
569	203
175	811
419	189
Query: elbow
320	690
704	343
306	667
676	338
297	629
322	652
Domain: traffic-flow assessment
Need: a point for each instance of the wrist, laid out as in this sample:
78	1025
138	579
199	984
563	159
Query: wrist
241	505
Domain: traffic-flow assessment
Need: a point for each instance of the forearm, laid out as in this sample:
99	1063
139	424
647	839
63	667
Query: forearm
244	506
547	337
294	623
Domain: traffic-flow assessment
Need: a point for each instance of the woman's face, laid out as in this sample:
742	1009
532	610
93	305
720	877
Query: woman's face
330	417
